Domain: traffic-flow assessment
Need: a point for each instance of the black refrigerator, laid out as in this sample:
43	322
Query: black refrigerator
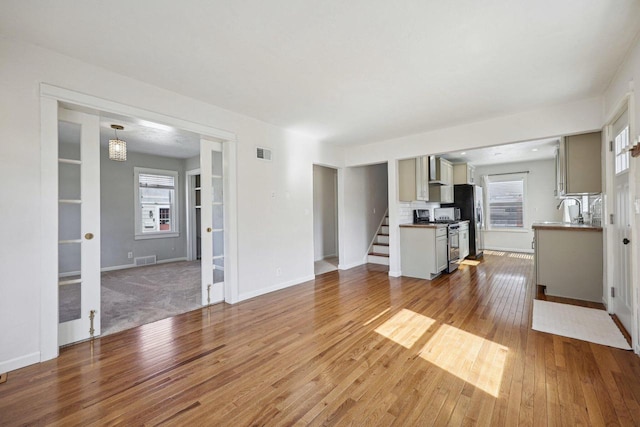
469	199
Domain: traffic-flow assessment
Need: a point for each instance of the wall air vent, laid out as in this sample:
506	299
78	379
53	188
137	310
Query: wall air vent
144	260
263	153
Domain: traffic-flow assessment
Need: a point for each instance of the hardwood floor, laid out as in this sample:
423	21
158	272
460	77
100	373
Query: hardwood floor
352	347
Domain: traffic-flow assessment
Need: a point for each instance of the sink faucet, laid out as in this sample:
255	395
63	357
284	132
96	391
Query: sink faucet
580	217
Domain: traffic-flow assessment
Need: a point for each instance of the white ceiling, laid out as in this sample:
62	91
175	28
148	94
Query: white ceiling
141	136
346	72
150	138
509	153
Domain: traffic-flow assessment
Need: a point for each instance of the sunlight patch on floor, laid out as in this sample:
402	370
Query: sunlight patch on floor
476	360
405	327
520	255
496	253
469	262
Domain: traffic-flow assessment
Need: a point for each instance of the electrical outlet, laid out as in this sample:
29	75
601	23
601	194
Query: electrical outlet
278	272
130	255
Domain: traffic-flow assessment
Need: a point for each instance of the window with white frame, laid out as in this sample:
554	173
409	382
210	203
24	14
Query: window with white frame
621	143
156	193
506	195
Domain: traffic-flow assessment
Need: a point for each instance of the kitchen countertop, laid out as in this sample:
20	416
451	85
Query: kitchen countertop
549	225
425	225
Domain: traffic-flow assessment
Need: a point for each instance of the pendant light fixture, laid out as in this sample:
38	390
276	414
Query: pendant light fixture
117	147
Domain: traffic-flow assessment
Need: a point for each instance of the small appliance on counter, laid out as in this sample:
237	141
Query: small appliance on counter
421	216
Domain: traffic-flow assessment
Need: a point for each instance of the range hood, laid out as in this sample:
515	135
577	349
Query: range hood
435	171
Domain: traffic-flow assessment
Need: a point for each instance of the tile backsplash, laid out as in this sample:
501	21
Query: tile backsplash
405	210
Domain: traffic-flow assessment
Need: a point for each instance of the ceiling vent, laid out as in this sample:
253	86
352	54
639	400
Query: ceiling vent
263	153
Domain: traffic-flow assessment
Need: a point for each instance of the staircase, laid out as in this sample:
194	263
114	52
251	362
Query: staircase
379	248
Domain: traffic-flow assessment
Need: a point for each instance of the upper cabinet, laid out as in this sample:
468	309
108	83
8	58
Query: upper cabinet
440	171
413	179
440	180
464	173
578	164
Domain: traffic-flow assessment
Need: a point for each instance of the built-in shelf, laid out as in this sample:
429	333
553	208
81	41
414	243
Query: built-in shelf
69	282
66	242
70	161
70	201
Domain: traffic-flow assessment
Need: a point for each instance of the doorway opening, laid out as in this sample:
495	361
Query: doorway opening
131	233
325	219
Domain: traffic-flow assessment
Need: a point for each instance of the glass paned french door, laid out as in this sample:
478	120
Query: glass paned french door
78	226
212	221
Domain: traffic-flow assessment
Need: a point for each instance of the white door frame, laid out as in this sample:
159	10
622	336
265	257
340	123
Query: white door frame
610	239
190	214
50	97
336	212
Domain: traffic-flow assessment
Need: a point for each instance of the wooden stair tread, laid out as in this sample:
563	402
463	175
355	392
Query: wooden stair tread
380	244
379	254
380	234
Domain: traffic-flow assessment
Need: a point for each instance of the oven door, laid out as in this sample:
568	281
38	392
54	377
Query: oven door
454	249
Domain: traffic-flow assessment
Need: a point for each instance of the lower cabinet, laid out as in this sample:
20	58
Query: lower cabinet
464	240
423	250
441	253
569	262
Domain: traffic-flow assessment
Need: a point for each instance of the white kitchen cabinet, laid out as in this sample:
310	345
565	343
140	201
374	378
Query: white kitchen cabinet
440	180
422	178
423	250
441	193
440	171
464	239
413	179
441	253
578	165
464	173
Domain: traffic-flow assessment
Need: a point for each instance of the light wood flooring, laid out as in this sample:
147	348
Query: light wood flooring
352	347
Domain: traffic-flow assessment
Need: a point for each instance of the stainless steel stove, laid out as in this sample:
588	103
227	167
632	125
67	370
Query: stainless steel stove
450	216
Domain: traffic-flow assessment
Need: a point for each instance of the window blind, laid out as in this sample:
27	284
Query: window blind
156	181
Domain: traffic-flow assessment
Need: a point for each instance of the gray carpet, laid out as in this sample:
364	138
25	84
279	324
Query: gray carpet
137	296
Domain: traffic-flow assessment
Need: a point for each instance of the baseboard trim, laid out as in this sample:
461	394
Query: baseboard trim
126	266
395	273
20	362
352	265
517	250
277	287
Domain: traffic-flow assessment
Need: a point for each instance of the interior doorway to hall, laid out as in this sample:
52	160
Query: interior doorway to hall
147	265
325	219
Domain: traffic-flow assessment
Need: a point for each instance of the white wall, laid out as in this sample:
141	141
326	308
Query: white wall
575	117
278	193
117	210
192	163
325	206
365	202
540	204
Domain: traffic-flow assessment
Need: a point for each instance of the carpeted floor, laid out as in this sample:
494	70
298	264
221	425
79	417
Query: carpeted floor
137	296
